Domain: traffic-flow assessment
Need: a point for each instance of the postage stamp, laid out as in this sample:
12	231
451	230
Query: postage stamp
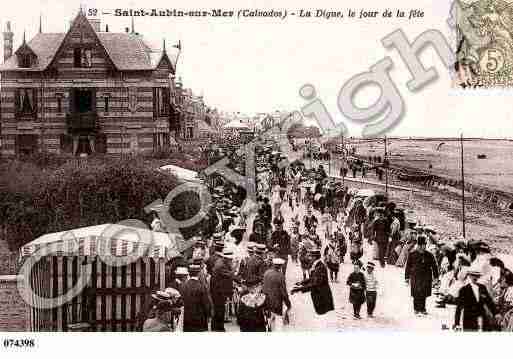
484	48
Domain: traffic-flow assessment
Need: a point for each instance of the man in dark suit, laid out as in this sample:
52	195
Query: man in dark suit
197	306
255	265
420	271
280	242
380	230
317	284
221	288
275	289
476	303
218	247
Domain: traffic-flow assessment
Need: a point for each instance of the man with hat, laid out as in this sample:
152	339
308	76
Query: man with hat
421	269
310	220
380	232
181	274
267	214
371	288
197	303
476	303
275	289
218	247
255	265
221	287
243	266
259	228
318	285
199	250
280	244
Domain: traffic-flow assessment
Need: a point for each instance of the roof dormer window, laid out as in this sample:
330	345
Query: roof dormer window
26	57
25	61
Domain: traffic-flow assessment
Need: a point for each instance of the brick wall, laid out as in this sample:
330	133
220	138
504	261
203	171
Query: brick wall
14	312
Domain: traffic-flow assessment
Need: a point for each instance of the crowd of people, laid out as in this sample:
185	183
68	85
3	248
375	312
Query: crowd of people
238	268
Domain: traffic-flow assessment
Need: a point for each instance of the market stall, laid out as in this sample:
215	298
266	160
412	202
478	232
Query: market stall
121	266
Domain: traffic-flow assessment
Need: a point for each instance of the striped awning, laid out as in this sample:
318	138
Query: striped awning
111	240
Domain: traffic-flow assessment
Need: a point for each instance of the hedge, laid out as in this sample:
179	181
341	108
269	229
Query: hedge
36	201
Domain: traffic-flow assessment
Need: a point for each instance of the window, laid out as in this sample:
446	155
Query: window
25	102
106	99
25	61
26	144
59	97
161	142
82	57
189	133
161	101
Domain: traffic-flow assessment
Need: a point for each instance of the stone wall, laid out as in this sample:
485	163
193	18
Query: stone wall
14	312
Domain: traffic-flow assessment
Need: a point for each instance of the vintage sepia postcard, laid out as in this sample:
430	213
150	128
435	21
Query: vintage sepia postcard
197	167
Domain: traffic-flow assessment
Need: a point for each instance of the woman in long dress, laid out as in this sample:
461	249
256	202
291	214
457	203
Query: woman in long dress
505	304
251	312
405	252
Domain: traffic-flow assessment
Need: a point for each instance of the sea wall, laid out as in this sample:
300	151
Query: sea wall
15	313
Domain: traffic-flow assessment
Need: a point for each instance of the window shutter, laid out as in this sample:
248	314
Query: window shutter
35	93
155	97
101	143
71	101
93	100
17	102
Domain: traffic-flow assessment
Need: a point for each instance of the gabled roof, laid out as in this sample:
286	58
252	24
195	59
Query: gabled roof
44	46
131	52
127	51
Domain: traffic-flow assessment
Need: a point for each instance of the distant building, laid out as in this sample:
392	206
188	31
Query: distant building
86	91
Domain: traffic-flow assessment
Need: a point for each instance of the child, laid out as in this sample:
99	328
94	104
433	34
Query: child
356	282
332	258
356	244
341	240
327	223
294	242
371	287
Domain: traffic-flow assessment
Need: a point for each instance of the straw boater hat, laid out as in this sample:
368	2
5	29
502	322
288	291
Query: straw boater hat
161	296
371	264
194	269
181	271
315	252
278	261
474	270
252	281
227	253
260	248
251	247
218	246
197	260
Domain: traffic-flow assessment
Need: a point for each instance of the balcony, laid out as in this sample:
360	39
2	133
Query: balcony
86	122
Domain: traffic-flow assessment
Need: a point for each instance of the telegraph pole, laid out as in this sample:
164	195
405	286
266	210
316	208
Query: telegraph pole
462	187
385	161
344	160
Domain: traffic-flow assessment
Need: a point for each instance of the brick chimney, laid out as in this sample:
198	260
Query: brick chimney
8	41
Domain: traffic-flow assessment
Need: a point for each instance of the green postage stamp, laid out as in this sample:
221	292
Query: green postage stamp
484	48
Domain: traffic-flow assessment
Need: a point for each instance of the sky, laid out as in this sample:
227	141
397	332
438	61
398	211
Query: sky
258	65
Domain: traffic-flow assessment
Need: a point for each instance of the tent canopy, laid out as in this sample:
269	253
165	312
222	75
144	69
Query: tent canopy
107	239
182	173
236	124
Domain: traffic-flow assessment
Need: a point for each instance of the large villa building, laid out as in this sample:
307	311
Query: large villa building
87	91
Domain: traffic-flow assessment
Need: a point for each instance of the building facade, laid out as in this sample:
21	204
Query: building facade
86	91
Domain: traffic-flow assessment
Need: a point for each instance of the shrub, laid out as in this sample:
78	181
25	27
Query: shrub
83	193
